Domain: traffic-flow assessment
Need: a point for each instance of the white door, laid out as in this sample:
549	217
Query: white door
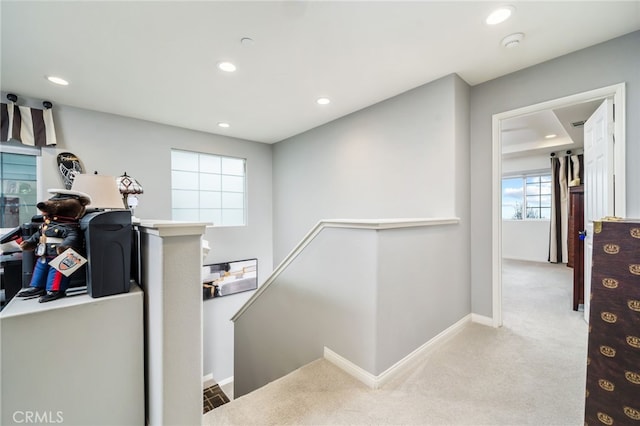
598	181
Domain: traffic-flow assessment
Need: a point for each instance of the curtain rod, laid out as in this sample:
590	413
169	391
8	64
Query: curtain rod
14	98
553	154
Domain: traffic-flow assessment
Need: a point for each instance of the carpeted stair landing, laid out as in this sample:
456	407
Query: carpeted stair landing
531	371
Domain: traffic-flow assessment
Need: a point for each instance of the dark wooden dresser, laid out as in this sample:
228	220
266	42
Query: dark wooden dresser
574	244
613	359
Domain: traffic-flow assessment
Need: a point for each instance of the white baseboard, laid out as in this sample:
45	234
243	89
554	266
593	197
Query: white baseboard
482	320
207	378
374	381
226	381
350	368
223	382
227	387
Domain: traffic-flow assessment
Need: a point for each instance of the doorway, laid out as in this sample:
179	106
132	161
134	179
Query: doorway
617	92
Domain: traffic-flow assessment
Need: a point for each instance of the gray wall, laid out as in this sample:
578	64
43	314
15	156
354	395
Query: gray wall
218	347
404	157
326	297
602	65
113	144
371	296
423	288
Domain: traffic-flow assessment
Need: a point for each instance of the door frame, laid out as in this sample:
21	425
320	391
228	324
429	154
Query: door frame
617	92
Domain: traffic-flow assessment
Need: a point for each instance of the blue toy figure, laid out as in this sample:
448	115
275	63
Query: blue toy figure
59	231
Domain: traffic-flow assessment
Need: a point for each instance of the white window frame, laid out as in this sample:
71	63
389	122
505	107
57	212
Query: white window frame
208	188
524	178
10	148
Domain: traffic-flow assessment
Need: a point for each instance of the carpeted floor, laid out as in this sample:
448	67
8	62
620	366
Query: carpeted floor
531	371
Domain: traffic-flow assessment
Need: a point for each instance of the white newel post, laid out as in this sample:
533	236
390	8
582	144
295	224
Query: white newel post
171	263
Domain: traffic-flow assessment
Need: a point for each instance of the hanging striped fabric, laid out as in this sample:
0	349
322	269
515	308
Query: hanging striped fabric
30	126
564	170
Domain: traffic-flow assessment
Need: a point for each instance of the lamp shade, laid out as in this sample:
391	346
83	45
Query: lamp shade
128	185
102	189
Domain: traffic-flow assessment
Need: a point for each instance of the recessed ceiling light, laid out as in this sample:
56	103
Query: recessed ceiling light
227	66
323	101
551	136
57	80
499	15
224	125
512	40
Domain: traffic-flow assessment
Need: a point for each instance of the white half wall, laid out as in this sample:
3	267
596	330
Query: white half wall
525	240
372	295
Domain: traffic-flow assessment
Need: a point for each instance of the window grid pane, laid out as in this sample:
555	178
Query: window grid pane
208	188
526	197
18	185
512	193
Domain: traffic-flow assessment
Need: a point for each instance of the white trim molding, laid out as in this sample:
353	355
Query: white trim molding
207	378
171	228
375	382
226	381
483	320
617	92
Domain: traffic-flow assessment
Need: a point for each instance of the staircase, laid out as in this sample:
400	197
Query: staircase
367	294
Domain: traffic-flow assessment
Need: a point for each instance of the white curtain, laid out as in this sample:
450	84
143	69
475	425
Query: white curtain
564	170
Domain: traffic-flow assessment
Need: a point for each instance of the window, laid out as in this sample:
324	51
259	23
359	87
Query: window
208	188
18	180
526	197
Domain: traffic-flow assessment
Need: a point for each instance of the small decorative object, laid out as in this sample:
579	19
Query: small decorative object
69	166
129	188
68	262
223	279
60	230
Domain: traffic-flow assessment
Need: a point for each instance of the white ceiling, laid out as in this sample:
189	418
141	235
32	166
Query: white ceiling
528	134
157	60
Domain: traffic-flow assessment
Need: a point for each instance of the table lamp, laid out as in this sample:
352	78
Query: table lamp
129	188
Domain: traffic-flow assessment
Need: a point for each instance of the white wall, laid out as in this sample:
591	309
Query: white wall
403	157
76	361
599	66
112	144
525	164
525	239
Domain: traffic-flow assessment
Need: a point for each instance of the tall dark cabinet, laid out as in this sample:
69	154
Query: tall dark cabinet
613	359
575	244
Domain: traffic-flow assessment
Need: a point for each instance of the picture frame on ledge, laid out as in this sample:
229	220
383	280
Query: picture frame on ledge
227	278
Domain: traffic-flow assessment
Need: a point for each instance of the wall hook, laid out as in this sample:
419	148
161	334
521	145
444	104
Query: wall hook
12	97
47	104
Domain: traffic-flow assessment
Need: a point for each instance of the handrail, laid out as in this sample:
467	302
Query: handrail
374	224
